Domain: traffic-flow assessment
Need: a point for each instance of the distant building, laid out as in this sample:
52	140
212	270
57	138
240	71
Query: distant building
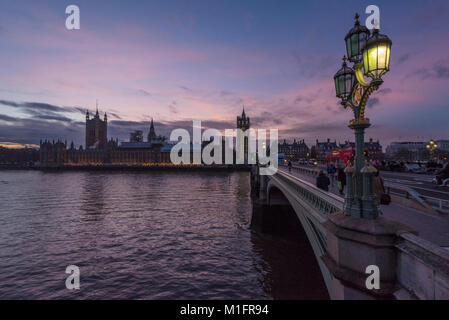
101	151
22	156
442	151
373	149
96	131
243	123
136	151
322	149
417	151
443	145
407	151
136	136
152	137
294	151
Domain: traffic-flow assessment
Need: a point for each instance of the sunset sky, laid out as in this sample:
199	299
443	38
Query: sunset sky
179	61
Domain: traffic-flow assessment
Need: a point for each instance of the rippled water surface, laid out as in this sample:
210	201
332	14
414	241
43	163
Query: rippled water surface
167	235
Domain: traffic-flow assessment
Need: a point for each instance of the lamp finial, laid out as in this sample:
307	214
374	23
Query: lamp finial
357	19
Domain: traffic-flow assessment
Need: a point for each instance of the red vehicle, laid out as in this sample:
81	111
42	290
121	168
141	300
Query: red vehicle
340	156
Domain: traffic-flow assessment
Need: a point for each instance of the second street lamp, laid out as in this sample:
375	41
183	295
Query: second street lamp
344	81
355	41
431	146
373	55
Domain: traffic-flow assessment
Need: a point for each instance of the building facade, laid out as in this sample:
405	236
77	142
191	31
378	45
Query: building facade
417	151
407	151
373	149
136	151
443	145
294	151
24	156
322	149
96	131
101	151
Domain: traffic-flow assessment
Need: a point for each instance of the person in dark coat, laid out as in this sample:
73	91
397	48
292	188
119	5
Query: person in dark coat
322	181
341	180
379	188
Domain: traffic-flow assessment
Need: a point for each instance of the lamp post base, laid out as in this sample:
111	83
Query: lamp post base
352	246
354	205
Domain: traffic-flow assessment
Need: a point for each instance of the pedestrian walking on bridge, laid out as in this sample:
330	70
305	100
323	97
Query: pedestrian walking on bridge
341	180
322	181
331	172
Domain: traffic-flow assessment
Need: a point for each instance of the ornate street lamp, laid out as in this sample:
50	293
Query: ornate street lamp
372	53
431	146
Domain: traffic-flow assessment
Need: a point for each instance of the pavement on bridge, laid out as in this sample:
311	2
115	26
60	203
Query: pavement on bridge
430	227
422	183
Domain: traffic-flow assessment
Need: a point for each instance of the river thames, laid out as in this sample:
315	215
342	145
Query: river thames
143	235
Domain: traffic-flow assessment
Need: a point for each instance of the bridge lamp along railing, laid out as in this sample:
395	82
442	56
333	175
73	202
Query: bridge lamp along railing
370	54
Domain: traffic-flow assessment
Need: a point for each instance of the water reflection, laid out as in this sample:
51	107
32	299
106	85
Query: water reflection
92	195
287	262
139	235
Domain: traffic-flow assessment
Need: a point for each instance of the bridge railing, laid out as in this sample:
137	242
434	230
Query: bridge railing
409	193
394	189
303	170
322	201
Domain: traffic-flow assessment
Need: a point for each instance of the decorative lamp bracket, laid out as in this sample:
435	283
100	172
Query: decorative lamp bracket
359	74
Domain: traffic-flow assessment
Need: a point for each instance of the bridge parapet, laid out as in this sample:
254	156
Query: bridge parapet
400	194
324	202
422	269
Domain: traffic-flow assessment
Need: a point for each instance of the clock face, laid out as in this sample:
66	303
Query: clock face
357	94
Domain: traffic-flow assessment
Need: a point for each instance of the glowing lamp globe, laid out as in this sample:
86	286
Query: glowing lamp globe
376	56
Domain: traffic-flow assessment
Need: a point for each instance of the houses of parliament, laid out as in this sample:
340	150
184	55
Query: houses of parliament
99	150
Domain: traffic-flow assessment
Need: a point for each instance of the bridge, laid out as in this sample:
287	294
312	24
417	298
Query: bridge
410	267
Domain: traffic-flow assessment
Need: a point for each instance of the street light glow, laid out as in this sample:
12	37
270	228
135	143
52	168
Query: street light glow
376	56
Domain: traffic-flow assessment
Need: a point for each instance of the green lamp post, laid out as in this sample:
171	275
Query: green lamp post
372	53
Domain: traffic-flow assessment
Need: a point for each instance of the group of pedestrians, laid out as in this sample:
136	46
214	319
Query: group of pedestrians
338	173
